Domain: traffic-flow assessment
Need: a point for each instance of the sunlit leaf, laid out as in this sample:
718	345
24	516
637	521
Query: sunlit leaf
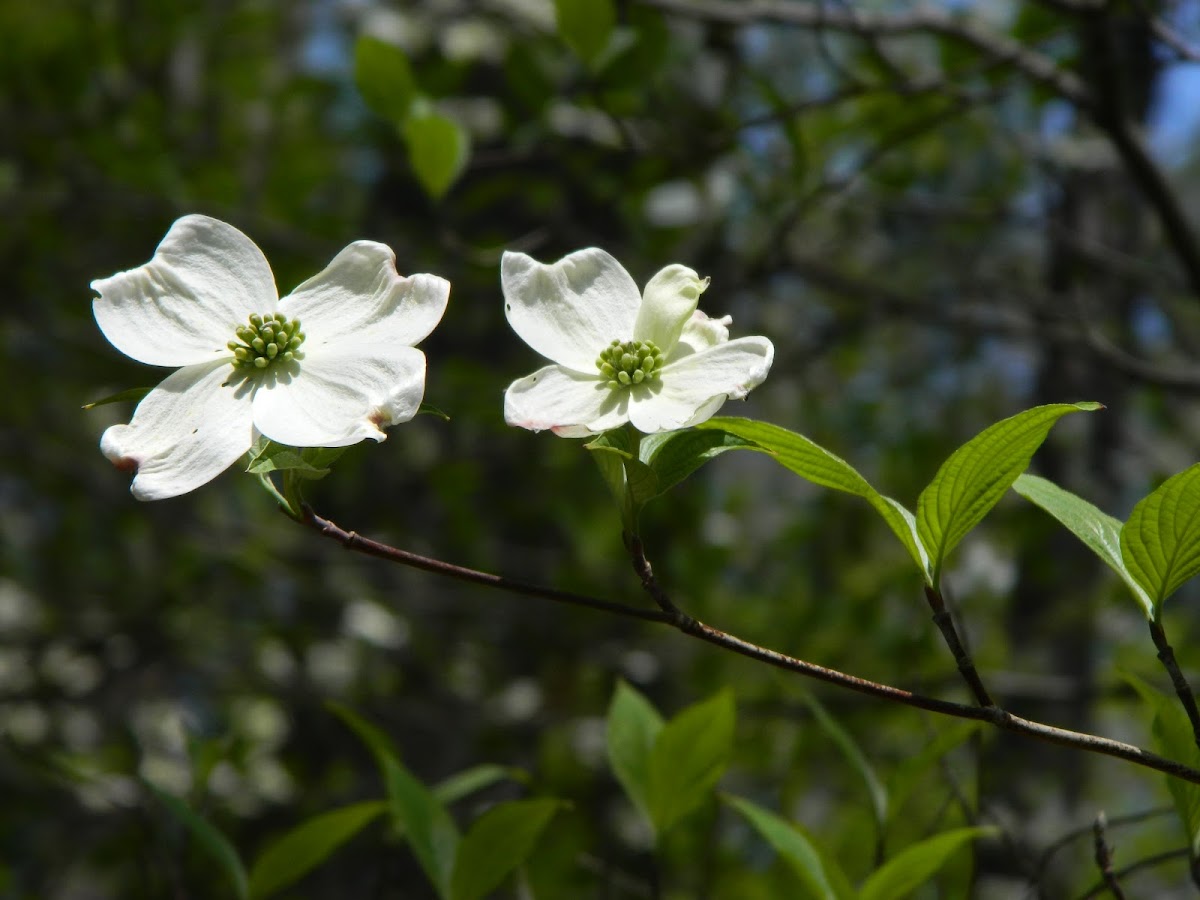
215	844
496	843
438	148
585	25
816	464
1160	542
1098	530
917	864
978	473
308	845
384	78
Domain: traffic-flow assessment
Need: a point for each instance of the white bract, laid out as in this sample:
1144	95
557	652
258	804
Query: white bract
620	355
327	366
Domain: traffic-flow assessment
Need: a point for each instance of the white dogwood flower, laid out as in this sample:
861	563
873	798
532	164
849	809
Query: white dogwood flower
620	355
327	366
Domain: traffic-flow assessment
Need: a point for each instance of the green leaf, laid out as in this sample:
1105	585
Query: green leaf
133	395
1098	530
631	63
816	464
207	836
978	473
426	822
476	778
632	483
674	455
633	727
311	463
438	148
384	78
418	811
652	464
308	845
586	26
1161	541
912	768
1173	738
496	843
431	410
853	755
817	875
689	757
917	864
376	741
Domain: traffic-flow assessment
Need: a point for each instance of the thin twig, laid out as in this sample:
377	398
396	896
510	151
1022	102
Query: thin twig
945	623
1183	690
1104	858
993	715
1147	863
1074	834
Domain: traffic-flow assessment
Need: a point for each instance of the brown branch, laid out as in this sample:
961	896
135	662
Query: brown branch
1001	48
1183	690
995	716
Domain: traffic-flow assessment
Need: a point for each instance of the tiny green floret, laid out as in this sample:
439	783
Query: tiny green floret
266	340
629	363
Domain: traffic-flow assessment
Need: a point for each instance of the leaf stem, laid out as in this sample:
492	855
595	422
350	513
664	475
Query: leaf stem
945	623
993	715
1183	690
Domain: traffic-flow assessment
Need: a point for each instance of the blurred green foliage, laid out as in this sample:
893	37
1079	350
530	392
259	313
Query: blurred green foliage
932	239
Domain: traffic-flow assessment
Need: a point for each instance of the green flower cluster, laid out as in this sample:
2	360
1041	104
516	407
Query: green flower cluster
629	363
266	340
